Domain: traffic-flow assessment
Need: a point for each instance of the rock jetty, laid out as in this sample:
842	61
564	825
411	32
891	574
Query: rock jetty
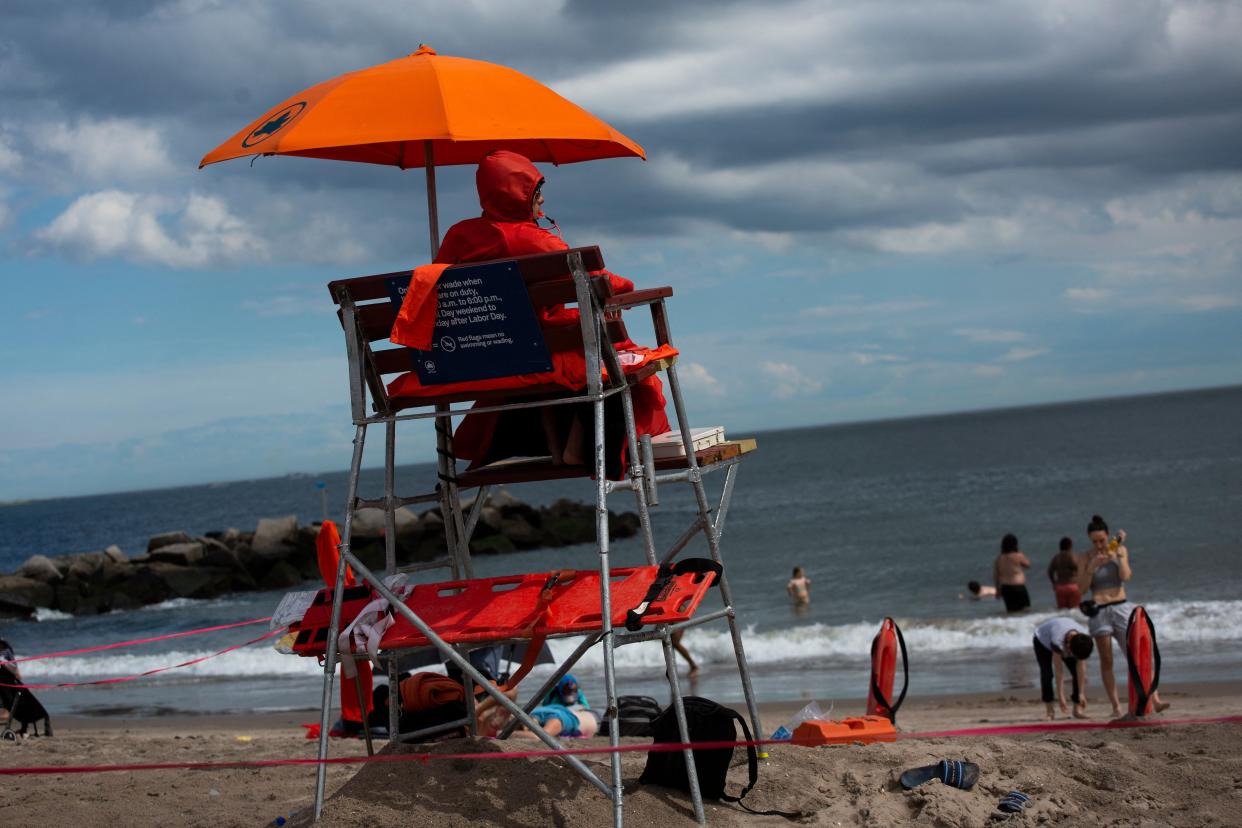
278	554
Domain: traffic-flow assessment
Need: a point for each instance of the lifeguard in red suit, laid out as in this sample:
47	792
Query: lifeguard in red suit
509	188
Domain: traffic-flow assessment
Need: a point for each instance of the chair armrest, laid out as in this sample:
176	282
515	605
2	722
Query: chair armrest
634	298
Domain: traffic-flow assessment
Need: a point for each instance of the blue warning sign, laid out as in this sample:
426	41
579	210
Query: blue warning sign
485	326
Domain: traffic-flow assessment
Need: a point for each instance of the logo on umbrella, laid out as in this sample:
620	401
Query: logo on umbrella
274	124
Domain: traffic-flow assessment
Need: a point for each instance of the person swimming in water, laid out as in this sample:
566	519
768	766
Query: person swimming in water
978	590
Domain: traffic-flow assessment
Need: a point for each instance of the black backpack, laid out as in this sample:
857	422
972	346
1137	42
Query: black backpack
706	721
635	716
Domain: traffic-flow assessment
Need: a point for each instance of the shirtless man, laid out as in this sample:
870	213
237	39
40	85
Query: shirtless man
1009	575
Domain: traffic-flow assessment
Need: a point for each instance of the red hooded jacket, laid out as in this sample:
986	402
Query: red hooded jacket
506	182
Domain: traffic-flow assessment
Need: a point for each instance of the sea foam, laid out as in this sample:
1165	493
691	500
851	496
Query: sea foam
1177	622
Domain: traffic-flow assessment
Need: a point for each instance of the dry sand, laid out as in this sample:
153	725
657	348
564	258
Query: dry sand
1178	775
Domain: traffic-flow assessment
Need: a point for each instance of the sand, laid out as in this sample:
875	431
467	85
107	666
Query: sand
1182	775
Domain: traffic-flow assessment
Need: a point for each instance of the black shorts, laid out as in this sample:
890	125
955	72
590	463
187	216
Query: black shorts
1016	597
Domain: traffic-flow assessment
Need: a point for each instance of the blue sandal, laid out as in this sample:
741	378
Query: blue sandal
1013	802
953	772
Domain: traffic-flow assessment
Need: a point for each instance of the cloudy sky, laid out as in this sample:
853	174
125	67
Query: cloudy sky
867	210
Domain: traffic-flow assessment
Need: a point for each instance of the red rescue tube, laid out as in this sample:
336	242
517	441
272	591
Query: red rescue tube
1143	658
884	671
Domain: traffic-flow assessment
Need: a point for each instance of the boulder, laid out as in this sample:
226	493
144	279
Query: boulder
85	566
216	553
369	522
169	580
21	596
274	535
182	554
490	545
229	537
115	554
167	539
281	576
490	518
624	525
523	535
501	499
40	568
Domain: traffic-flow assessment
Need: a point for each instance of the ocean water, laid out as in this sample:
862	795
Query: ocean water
888	518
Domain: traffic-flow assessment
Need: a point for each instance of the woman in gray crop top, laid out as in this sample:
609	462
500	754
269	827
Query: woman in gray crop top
1106	571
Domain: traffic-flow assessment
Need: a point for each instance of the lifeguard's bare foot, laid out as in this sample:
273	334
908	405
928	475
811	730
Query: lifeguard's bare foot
1160	707
573	453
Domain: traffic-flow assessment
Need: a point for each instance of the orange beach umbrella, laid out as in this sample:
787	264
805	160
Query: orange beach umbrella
426	109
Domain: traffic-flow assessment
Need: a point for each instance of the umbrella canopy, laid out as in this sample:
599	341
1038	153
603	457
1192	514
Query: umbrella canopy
428	109
422	110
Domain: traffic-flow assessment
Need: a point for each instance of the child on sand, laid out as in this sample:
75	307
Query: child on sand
799	587
1009	575
1060	641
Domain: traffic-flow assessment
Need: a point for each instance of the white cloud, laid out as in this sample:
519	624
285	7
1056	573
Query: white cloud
789	381
872	358
1087	294
866	309
973	233
1209	302
1022	354
108	151
695	377
9	157
989	335
113	223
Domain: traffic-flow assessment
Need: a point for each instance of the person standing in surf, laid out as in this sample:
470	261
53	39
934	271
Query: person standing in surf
1063	572
1009	575
1108	618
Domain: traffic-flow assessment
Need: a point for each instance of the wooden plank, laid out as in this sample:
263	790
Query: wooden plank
637	297
533	470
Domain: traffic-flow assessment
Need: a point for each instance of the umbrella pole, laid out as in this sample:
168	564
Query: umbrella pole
433	219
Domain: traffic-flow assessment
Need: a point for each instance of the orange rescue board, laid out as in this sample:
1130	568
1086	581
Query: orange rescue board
1143	659
883	670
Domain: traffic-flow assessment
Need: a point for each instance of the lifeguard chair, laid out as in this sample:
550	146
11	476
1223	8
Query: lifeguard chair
465	613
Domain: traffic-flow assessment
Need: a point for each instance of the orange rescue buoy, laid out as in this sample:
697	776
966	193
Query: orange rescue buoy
884	671
862	730
1143	658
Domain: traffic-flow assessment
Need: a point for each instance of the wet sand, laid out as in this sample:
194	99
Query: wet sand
1179	775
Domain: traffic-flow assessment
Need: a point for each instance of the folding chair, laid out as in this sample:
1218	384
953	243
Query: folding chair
441	615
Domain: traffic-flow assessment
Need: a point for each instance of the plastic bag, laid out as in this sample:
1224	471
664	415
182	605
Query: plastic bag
811	711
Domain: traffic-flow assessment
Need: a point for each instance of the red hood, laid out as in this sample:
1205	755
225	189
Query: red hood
506	182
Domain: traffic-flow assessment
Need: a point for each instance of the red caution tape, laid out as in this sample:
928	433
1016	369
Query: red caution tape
660	747
137	641
1053	727
120	679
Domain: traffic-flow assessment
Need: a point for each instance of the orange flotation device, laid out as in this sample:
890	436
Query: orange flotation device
861	730
884	649
1143	658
